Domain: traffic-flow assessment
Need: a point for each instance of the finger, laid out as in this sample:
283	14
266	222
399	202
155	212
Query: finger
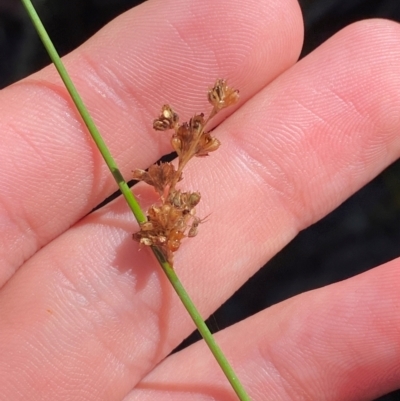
130	318
162	50
336	343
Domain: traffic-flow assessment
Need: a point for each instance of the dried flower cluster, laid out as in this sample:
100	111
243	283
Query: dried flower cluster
174	218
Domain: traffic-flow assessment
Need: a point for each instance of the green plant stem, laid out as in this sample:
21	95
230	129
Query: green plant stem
133	204
55	58
202	328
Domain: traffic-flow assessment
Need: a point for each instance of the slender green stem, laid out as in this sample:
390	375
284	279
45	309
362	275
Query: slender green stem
133	204
55	58
203	329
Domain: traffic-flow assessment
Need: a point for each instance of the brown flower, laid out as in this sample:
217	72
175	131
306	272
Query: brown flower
185	201
168	119
221	95
165	229
206	144
160	176
187	135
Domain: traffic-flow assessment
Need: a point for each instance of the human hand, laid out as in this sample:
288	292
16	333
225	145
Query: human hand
85	315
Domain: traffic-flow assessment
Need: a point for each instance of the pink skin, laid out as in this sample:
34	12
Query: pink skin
85	315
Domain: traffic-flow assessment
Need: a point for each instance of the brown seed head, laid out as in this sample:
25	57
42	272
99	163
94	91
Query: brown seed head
184	201
196	125
168	119
174	217
221	95
159	176
207	144
181	139
186	138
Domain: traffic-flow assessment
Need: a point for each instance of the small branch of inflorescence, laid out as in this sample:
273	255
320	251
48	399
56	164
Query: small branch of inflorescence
174	217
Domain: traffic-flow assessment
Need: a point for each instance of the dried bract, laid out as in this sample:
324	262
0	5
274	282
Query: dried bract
174	218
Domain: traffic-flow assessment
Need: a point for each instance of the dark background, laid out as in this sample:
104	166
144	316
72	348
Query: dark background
362	233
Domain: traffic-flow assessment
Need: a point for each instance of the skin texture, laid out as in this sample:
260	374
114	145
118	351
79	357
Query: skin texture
86	315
